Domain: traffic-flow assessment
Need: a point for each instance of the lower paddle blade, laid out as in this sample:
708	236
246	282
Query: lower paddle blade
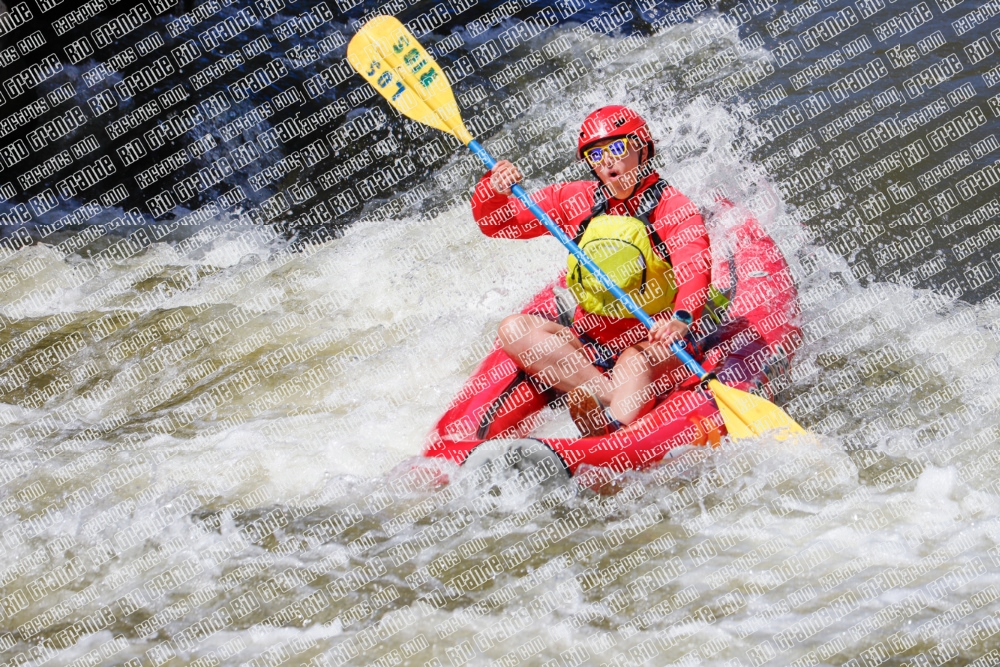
746	415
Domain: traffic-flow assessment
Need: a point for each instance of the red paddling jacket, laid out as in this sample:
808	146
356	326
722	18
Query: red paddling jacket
677	232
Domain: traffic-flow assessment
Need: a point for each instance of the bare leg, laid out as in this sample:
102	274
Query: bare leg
641	372
552	353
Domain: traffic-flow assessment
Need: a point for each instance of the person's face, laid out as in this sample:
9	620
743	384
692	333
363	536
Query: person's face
619	173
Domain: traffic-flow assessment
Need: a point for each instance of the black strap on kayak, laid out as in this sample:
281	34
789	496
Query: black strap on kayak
648	201
547	393
491	412
565	306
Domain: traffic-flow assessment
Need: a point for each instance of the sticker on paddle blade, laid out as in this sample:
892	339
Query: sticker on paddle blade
390	58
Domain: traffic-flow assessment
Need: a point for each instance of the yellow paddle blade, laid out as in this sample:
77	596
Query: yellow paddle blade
747	415
391	59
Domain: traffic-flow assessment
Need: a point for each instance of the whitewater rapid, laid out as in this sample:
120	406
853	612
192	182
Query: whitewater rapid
182	484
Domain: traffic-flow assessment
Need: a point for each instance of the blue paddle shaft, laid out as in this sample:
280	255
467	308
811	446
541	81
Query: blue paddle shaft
610	285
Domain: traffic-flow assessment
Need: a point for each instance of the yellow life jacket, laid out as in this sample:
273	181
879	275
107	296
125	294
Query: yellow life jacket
621	247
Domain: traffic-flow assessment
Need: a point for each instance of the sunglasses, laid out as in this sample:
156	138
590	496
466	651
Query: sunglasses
616	148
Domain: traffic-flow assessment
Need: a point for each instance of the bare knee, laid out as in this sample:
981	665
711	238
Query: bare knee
656	354
643	362
512	329
635	361
521	332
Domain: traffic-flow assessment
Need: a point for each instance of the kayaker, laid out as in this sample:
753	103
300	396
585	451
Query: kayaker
646	235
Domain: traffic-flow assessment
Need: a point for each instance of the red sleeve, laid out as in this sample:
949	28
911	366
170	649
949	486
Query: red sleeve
682	229
500	216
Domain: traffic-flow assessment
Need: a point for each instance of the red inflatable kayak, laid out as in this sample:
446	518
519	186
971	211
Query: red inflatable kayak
750	350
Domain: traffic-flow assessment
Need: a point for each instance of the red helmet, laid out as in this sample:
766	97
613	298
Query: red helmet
611	122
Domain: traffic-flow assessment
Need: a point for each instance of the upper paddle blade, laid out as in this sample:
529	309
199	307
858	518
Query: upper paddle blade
747	415
391	59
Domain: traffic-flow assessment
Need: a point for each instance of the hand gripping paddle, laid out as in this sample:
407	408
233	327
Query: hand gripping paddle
389	57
